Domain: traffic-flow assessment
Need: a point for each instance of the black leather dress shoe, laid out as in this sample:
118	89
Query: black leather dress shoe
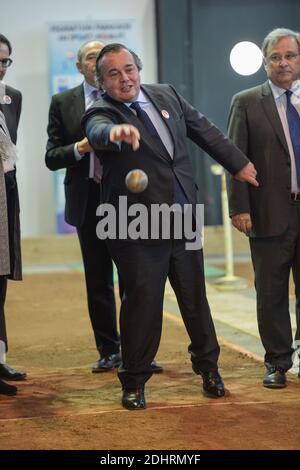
133	399
213	386
156	368
107	363
8	373
6	389
275	378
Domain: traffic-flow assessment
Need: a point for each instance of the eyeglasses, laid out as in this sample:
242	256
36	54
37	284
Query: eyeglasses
6	62
289	57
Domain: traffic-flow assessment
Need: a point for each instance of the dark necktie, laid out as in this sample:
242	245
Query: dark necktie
179	196
143	116
293	119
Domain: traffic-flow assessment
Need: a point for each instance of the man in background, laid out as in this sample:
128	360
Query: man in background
264	123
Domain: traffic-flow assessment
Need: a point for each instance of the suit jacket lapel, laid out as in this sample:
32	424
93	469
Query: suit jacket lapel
77	111
271	111
78	103
159	102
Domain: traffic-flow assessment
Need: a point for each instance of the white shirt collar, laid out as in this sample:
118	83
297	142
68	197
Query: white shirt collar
141	98
278	92
88	89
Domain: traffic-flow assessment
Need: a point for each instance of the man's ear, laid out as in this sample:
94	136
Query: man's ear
265	64
79	67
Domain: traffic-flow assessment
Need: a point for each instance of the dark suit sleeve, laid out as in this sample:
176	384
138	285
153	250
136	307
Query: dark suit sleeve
207	136
97	127
58	155
238	193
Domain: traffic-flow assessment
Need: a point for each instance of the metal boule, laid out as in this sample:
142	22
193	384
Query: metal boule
136	181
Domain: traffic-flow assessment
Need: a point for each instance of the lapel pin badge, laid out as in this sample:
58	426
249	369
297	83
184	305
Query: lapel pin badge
6	99
165	114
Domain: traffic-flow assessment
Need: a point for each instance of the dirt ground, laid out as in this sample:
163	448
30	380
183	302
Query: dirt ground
62	405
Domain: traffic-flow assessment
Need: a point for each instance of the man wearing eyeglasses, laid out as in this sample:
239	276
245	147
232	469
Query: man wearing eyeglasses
10	252
264	123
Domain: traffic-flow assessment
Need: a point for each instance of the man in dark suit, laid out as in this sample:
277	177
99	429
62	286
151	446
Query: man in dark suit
126	139
259	124
68	148
10	250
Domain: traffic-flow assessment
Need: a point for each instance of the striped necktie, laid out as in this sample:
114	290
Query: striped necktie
3	124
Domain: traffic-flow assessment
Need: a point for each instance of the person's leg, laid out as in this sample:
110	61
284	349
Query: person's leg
3	334
156	367
271	259
187	279
296	276
143	270
7	372
98	269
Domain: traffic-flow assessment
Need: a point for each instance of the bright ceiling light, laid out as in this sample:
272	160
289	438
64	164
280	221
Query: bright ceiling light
246	58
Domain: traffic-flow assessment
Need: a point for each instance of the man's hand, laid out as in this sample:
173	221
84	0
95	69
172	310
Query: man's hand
242	222
247	174
125	133
83	146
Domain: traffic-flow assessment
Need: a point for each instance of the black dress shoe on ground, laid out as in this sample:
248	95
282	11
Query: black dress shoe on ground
213	386
6	389
8	373
275	378
133	399
156	368
107	363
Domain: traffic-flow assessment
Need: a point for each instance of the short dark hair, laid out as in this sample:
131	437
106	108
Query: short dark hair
4	40
114	47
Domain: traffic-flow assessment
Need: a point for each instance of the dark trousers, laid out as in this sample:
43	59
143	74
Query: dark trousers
273	259
3	287
144	270
12	210
98	270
